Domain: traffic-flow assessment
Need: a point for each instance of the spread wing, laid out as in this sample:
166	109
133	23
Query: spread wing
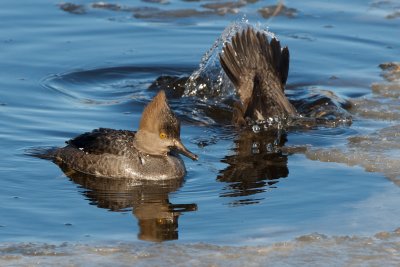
103	140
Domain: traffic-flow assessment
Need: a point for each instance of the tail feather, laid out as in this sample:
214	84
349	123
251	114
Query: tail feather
250	61
48	153
284	65
280	59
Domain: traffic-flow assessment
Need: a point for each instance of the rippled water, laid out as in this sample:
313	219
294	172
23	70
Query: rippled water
322	193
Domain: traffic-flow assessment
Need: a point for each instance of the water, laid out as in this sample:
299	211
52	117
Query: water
329	195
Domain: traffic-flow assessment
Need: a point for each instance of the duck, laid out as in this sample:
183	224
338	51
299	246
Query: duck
258	69
150	153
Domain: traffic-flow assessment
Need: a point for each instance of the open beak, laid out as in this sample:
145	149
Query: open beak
183	150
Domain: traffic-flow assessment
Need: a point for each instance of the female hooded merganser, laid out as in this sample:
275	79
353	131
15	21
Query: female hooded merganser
149	153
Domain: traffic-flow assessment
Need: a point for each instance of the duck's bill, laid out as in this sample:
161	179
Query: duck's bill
184	151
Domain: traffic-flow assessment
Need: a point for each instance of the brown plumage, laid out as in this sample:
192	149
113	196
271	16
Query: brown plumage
258	69
158	116
149	153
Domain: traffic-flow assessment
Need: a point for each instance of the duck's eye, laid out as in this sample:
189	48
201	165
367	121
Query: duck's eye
163	135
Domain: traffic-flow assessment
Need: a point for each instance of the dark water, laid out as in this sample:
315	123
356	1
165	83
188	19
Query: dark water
331	192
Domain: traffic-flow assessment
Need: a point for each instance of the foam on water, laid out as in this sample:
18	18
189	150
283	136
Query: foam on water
384	103
379	150
382	249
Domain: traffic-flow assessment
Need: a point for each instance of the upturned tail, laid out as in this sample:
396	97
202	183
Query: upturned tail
258	69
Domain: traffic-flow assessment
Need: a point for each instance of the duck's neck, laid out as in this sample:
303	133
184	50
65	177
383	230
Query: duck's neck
148	143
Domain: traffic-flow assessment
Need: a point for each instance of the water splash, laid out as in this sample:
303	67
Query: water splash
210	84
209	80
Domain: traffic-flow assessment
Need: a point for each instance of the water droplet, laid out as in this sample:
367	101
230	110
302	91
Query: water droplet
256	128
256	145
269	147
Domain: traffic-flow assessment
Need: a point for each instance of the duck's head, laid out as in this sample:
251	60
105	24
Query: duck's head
159	129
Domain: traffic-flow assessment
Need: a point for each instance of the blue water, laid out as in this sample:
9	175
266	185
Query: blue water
62	74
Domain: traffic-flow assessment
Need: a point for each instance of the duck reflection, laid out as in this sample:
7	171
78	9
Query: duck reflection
149	200
256	165
257	162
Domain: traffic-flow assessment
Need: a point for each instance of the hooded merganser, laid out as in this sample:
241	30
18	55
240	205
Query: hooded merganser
258	69
149	153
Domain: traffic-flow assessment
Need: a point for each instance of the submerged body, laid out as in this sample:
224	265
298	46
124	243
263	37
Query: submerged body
150	153
258	69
